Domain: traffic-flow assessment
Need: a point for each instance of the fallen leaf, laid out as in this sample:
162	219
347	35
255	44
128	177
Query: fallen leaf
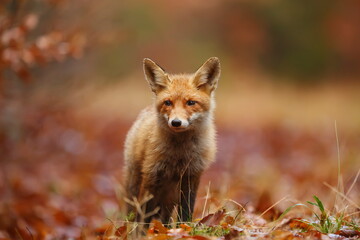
233	234
227	221
157	228
121	232
197	237
348	233
299	223
282	234
186	227
213	219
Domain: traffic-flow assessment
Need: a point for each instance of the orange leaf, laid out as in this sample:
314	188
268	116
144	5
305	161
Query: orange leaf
282	234
197	237
228	220
313	234
297	223
185	227
158	227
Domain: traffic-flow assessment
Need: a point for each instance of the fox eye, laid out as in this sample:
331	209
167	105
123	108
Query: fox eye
167	103
190	103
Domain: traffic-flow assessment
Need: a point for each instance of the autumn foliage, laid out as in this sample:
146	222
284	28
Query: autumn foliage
25	45
61	151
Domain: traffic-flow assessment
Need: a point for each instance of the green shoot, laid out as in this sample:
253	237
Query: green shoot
326	222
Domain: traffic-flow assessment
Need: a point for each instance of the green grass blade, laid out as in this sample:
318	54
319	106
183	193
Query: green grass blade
312	203
286	211
320	204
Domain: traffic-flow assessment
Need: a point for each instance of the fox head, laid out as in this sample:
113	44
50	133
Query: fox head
184	100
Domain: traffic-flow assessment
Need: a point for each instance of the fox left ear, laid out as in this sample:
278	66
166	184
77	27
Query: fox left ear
155	75
207	76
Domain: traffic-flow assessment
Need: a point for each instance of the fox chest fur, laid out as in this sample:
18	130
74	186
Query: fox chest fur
171	143
187	153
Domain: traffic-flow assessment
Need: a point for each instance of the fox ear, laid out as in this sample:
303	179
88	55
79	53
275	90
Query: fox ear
155	75
207	76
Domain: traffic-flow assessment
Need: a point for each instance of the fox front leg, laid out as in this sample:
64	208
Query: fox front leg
189	186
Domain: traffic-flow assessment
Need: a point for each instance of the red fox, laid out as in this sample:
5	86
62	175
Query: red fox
172	141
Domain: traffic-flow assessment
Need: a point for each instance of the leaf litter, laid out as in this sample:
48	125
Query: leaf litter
62	180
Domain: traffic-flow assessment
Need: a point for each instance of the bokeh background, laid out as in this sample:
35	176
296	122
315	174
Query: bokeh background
71	84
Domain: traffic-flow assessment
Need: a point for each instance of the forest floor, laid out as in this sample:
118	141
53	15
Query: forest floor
278	148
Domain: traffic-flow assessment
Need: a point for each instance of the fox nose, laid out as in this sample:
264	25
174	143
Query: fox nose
176	122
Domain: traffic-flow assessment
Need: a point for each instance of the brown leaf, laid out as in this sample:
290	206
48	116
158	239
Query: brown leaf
348	233
24	74
121	232
213	219
233	234
264	204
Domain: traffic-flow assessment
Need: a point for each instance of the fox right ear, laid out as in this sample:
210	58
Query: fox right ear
155	75
207	76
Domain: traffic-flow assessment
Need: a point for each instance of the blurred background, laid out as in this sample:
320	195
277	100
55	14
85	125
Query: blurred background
71	84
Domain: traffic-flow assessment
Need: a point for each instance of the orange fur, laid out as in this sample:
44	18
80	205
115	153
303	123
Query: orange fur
173	141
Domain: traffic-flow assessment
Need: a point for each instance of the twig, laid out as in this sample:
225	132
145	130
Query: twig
343	195
353	183
206	199
273	206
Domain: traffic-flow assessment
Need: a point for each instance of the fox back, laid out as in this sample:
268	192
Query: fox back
171	143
